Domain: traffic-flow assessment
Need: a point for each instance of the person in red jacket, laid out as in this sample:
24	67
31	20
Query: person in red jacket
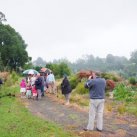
34	92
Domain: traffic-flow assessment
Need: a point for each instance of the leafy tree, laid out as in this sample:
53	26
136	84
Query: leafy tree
2	17
130	70
63	68
1	64
59	69
133	58
12	48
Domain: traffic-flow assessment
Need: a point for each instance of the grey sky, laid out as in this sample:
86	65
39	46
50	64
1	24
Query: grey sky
55	29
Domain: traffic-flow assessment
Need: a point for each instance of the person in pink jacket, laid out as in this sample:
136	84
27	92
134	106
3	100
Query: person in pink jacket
23	88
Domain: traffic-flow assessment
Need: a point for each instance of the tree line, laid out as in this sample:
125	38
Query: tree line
123	66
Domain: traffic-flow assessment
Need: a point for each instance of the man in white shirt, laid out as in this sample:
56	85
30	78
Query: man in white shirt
51	83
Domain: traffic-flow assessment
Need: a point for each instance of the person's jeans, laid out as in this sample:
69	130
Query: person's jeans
96	110
42	90
39	94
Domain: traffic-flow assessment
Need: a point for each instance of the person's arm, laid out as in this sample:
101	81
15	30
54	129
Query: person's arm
87	85
89	82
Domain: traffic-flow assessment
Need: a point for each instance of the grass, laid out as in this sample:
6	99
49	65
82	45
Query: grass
17	121
132	108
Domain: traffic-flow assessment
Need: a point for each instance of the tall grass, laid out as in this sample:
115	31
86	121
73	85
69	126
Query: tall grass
128	96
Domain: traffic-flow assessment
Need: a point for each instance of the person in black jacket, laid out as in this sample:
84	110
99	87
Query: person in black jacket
38	85
66	89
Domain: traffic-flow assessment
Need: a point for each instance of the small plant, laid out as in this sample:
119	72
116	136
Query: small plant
109	107
14	76
132	80
121	108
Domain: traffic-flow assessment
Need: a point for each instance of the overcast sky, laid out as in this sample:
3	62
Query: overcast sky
55	29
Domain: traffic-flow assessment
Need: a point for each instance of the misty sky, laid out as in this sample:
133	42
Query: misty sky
55	29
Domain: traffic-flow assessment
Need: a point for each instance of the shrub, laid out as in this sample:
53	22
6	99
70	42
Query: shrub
113	76
7	89
74	81
132	80
122	92
14	76
80	89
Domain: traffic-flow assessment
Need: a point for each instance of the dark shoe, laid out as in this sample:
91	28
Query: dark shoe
85	129
98	130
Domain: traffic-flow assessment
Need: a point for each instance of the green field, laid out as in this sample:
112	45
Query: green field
17	121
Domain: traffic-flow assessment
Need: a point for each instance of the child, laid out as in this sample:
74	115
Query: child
28	88
34	92
23	88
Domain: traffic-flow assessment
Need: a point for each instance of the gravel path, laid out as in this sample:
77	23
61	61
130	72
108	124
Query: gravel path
74	119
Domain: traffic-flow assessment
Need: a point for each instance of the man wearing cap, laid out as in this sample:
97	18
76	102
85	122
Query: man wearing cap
96	86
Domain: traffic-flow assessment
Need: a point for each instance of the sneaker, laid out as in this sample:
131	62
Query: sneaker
85	129
98	130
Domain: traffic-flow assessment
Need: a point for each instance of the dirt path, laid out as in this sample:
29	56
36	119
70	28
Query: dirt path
75	119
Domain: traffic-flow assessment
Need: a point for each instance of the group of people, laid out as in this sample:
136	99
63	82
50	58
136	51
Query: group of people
95	84
35	85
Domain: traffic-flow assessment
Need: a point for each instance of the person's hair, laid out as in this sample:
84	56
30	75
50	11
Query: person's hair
65	75
98	74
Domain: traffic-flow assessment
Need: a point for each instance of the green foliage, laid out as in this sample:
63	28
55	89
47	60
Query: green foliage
132	110
37	68
80	89
132	80
122	92
133	58
112	76
73	81
59	69
14	76
6	88
28	66
12	48
1	64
